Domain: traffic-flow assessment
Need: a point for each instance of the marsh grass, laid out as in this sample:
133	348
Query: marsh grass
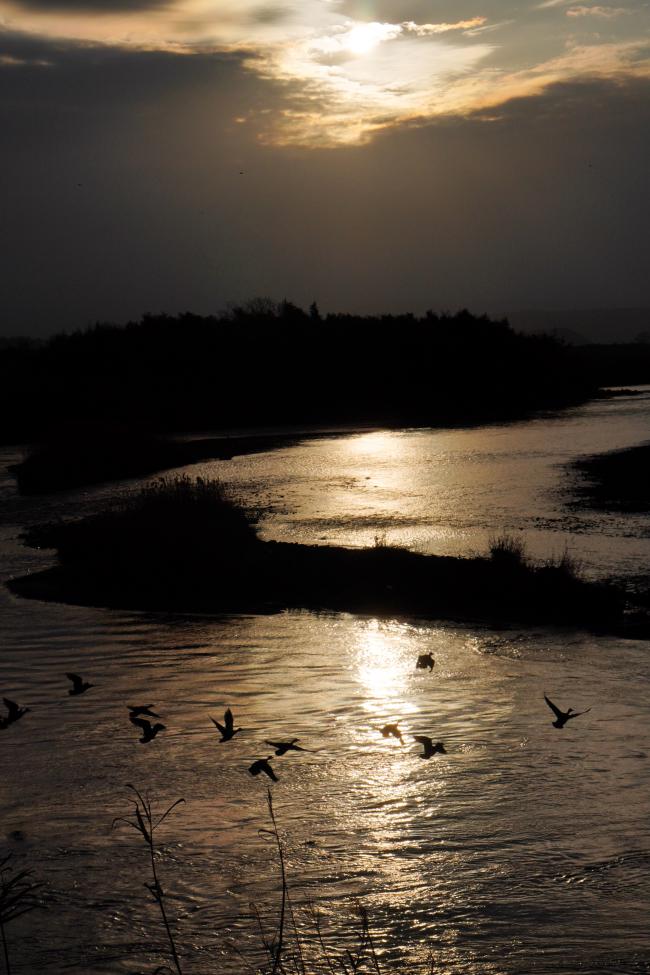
292	940
566	565
508	551
17	897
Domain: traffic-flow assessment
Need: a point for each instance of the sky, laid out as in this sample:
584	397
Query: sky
369	155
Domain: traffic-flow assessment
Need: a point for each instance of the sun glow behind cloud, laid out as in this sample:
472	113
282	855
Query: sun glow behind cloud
343	78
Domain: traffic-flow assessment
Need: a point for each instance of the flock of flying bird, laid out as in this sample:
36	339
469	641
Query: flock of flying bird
228	731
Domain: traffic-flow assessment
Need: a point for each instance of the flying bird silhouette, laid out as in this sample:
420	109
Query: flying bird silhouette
429	748
14	712
425	660
228	729
79	686
285	746
263	765
392	729
139	709
563	716
149	731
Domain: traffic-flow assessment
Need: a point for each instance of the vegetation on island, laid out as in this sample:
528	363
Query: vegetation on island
276	365
182	544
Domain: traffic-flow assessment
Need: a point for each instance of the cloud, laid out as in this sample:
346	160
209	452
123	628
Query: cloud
424	30
606	12
91	6
341	78
541	203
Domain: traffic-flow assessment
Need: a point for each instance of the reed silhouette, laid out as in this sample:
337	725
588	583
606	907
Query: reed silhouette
143	821
17	897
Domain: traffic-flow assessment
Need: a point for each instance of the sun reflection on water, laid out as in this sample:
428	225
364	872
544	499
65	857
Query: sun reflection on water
383	661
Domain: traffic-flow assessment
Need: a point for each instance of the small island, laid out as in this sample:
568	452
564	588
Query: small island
184	545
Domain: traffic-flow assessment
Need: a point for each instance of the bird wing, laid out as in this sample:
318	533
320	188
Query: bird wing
10	705
142	709
556	711
76	680
142	723
576	714
265	767
219	726
228	718
273	744
255	768
423	739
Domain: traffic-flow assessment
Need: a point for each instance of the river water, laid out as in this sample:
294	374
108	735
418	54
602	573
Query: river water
524	849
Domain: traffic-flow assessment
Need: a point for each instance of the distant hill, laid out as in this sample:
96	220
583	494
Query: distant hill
581	326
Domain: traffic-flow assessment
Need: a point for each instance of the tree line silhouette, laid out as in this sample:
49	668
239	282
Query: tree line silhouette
276	364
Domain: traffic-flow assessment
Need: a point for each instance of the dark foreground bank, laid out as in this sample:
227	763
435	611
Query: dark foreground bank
181	545
616	481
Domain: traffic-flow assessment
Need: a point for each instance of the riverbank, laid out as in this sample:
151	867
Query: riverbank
85	454
616	481
68	463
182	545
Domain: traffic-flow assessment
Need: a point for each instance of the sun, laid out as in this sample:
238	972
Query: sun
362	38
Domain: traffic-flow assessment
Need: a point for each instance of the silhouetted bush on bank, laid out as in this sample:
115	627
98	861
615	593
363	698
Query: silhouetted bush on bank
268	364
183	545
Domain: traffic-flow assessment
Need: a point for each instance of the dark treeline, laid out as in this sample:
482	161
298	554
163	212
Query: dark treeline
617	365
277	364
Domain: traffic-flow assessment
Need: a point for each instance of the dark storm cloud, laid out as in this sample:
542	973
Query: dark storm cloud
137	182
63	80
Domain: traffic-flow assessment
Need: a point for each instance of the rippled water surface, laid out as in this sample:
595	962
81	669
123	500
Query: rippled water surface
523	849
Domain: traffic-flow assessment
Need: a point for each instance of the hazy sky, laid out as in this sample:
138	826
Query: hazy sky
368	154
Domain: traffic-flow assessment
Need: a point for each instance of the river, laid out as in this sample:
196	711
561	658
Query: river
524	849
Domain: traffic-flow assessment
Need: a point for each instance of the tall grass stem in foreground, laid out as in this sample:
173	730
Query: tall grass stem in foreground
143	823
17	897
